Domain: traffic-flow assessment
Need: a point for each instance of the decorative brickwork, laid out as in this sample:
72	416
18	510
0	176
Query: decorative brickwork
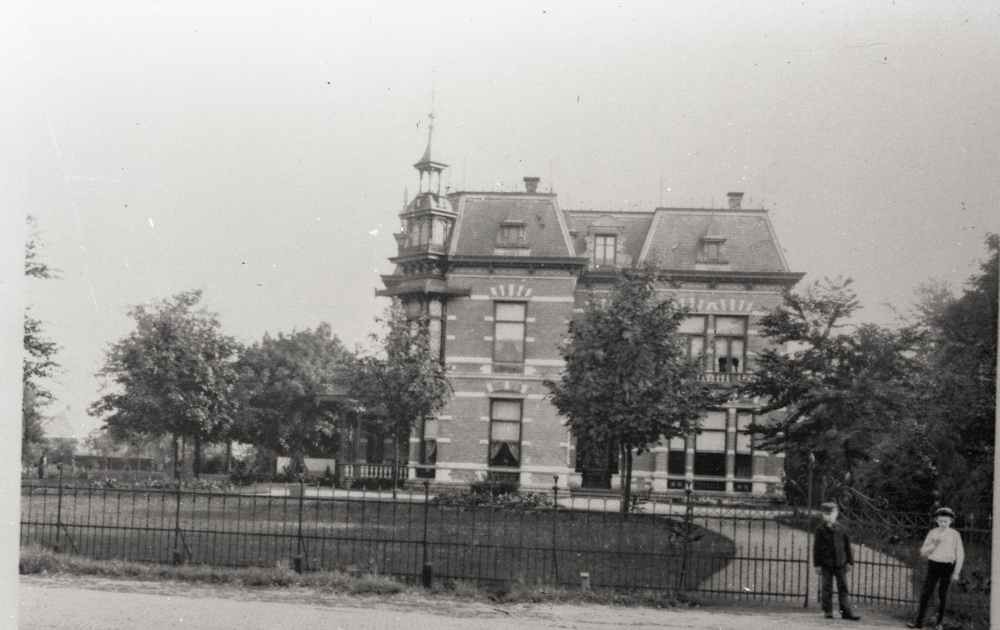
510	270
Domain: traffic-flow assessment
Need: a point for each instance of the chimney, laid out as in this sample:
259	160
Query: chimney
531	185
735	200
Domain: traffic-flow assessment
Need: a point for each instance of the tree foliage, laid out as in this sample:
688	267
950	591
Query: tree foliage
280	378
404	384
627	379
952	440
39	353
840	385
173	375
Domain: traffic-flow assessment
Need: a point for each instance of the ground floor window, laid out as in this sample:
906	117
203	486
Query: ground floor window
744	446
676	457
428	449
710	446
505	433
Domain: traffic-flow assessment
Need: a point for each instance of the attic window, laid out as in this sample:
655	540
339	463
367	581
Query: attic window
604	250
512	234
712	249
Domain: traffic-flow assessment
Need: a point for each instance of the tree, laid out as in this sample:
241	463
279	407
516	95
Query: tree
39	353
627	380
841	385
101	442
406	383
958	386
280	379
174	375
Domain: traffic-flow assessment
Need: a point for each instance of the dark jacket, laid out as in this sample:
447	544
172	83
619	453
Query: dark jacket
832	547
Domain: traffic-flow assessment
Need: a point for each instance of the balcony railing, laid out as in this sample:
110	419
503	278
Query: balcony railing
372	471
725	377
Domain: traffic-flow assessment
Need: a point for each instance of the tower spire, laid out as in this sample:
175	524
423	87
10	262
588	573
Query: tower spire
427	165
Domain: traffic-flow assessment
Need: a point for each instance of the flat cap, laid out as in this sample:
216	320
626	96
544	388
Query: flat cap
944	512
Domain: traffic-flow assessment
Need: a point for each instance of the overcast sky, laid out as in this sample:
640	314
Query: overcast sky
260	151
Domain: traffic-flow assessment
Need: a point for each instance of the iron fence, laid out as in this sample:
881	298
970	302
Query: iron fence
745	553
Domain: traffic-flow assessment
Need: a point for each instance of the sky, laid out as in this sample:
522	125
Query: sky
261	152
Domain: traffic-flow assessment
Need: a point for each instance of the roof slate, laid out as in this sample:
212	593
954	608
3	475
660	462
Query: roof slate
480	216
750	244
634	228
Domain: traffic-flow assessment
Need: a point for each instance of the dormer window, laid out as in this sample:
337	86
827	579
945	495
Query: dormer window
712	250
604	250
512	234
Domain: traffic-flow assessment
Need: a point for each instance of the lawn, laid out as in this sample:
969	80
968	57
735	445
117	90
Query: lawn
482	544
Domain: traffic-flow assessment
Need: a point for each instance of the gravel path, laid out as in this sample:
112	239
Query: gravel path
769	556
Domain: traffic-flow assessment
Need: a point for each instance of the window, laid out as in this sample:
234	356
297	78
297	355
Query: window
512	234
693	328
744	446
676	458
505	433
415	309
604	250
711	250
508	331
428	449
730	344
710	446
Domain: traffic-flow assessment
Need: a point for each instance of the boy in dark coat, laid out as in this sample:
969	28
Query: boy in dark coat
832	558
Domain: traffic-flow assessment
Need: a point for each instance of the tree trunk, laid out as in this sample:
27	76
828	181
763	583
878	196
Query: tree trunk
625	458
628	459
176	463
395	464
849	477
229	456
197	456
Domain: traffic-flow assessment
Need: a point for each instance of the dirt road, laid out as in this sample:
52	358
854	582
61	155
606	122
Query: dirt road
74	602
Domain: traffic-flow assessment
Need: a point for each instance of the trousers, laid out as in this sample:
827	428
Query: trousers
843	591
938	574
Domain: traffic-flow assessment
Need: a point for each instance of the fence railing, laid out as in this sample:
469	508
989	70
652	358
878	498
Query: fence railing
745	553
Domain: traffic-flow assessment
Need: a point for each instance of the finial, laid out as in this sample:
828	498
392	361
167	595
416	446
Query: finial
432	115
426	162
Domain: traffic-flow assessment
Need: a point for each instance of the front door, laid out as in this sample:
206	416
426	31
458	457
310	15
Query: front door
596	462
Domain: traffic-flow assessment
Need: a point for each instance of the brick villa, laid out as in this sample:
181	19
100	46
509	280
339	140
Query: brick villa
500	275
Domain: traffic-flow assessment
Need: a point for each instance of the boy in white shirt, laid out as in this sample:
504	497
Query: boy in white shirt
945	555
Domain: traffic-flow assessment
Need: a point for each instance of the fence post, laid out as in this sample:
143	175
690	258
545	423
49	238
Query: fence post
297	561
809	501
688	523
428	572
59	507
555	519
178	557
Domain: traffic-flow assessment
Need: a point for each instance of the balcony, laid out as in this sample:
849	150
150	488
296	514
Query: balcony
725	377
433	248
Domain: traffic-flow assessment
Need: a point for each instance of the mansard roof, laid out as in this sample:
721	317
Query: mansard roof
675	237
481	216
630	227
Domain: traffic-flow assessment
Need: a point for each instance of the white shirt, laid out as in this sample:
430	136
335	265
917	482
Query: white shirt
944	544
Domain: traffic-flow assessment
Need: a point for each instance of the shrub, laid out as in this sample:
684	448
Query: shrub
494	487
505	500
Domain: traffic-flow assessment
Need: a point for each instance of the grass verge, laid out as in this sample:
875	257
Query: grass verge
36	560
